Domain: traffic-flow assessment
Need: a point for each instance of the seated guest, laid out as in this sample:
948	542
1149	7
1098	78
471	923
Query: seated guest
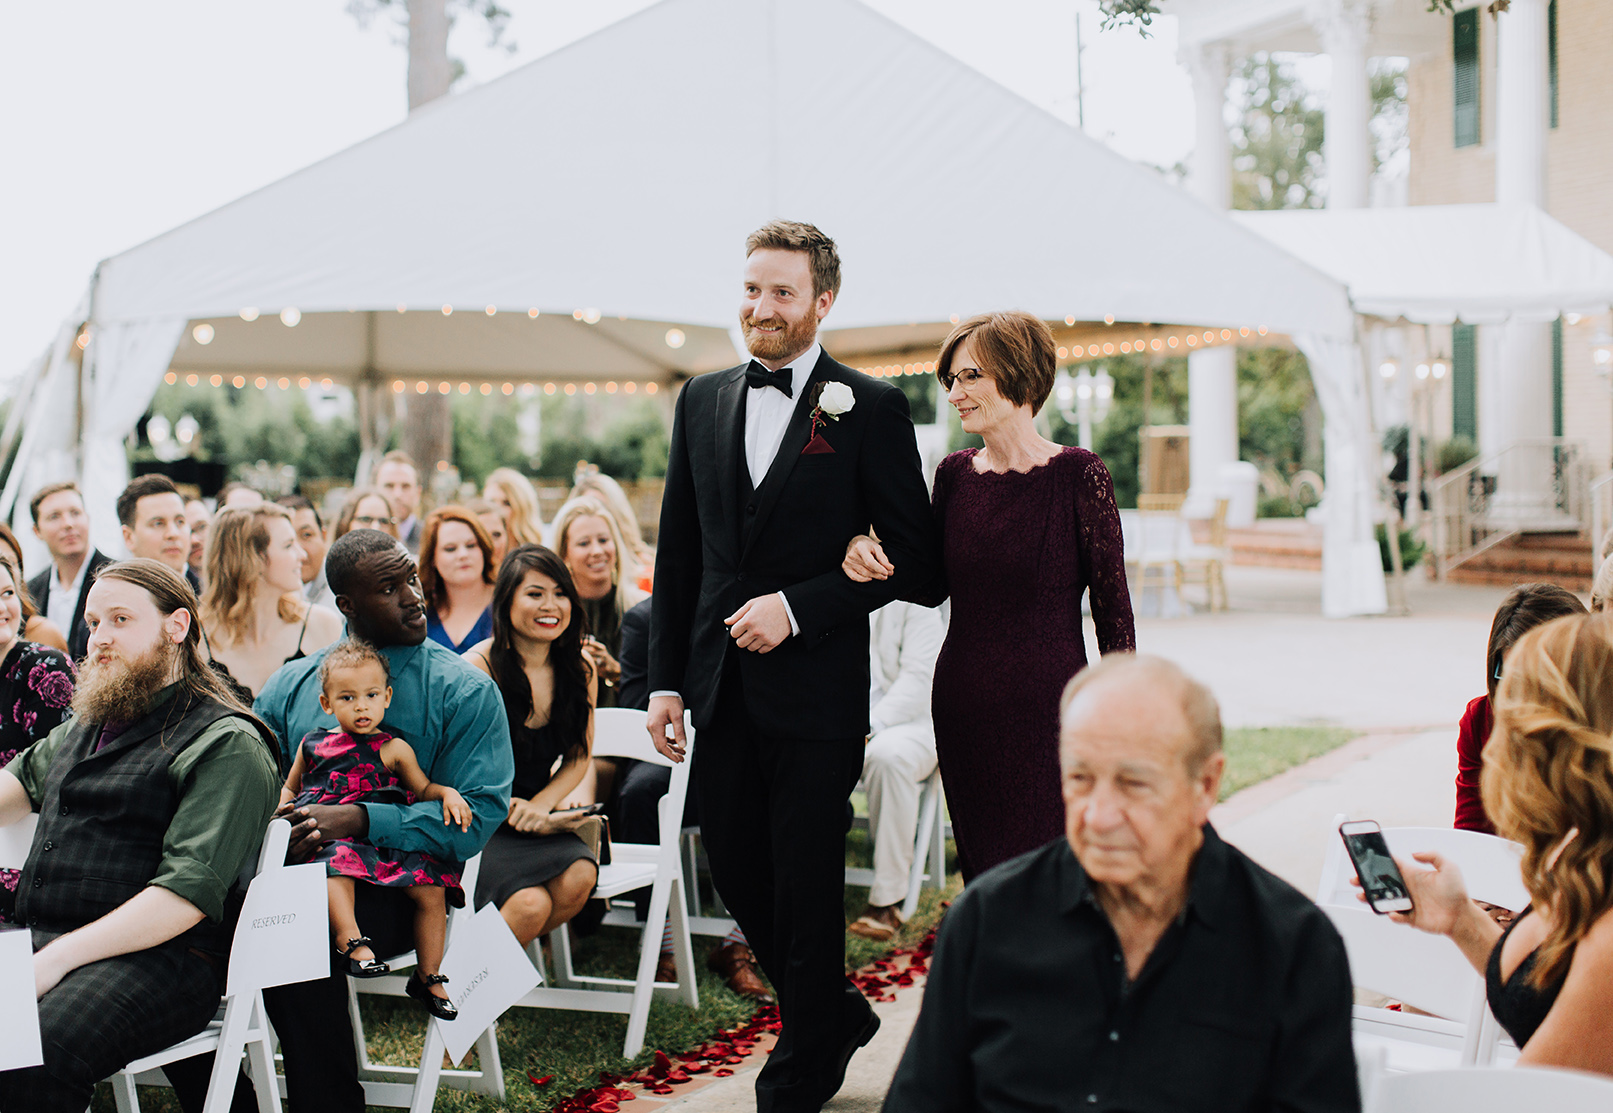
62	524
399	480
253	610
496	521
150	799
153	515
536	870
903	642
1548	784
456	571
513	491
589	480
311	536
589	540
1138	963
200	517
1525	607
454	720
365	508
35	626
36	683
1602	587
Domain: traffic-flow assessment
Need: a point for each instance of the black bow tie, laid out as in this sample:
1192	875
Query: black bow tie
758	376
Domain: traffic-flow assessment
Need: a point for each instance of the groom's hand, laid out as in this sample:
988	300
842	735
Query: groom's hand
761	624
667	711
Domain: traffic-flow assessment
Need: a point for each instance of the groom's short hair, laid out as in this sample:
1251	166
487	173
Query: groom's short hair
792	235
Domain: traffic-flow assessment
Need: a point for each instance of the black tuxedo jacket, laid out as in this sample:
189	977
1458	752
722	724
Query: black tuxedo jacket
722	543
77	633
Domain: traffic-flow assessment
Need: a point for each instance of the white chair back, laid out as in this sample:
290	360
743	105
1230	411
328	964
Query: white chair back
1490	866
283	934
624	732
16	840
1493	1091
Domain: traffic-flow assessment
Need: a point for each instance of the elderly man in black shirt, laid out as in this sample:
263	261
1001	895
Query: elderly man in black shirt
1141	963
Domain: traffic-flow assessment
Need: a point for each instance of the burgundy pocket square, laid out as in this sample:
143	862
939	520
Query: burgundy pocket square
817	446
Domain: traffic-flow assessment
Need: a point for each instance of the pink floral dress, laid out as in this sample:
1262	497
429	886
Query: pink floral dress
340	768
36	685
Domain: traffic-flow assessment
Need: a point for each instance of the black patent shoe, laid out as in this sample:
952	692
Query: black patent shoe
419	987
361	967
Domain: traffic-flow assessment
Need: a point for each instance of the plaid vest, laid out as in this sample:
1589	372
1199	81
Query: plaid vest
102	820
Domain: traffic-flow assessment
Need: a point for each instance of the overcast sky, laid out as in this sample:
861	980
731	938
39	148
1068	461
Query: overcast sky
122	120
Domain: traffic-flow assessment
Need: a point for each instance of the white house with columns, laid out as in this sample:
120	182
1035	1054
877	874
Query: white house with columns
1515	394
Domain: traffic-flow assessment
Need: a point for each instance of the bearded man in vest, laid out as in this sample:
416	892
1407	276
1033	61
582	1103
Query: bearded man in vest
151	799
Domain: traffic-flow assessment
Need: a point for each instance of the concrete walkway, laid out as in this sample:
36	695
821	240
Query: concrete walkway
1272	660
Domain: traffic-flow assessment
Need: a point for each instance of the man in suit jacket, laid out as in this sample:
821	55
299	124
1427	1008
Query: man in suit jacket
774	466
60	590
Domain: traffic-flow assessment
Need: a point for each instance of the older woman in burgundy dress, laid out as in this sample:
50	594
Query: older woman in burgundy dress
1027	526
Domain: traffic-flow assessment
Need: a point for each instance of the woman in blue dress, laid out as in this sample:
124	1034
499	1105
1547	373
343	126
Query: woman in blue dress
456	572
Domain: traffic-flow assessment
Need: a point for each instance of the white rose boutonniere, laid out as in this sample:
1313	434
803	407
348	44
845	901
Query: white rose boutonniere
836	399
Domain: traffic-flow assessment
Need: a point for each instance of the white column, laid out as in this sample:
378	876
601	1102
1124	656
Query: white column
1523	408
1212	374
1344	26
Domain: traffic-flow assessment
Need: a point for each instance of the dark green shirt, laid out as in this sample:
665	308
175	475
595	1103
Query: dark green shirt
227	786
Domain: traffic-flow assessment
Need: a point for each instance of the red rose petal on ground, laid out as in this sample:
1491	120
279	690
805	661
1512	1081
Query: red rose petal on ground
536	1081
604	1107
676	1076
722	1072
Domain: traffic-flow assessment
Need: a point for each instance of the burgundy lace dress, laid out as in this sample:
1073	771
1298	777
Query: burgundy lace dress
1019	549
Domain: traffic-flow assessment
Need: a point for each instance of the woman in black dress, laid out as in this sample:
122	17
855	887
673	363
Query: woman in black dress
535	869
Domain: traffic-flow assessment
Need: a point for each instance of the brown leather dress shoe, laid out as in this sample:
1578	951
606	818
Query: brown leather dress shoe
737	965
666	970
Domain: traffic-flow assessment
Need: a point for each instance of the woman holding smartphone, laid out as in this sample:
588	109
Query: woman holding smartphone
535	869
1547	784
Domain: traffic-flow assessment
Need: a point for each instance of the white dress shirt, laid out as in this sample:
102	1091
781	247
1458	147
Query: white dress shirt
63	599
767	412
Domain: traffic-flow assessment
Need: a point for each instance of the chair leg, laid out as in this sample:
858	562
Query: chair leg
682	949
655	919
938	840
227	1055
123	1093
492	1079
560	944
260	1060
425	1083
921	841
361	1045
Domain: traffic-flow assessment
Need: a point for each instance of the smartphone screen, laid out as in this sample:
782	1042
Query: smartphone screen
1380	878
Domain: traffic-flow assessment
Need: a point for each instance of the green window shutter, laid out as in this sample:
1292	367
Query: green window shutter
1551	60
1557	377
1465	45
1464	382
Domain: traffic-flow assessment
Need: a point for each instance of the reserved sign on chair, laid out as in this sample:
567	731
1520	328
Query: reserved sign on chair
487	973
19	1012
284	933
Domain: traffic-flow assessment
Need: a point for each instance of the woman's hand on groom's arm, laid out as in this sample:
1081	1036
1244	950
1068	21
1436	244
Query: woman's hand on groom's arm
866	560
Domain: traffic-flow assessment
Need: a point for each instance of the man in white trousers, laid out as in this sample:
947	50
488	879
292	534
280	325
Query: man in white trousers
902	646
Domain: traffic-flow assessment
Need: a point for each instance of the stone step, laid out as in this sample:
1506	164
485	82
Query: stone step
1278	543
1494	578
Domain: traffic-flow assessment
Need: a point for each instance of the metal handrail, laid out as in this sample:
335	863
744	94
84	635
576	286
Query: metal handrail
1546	477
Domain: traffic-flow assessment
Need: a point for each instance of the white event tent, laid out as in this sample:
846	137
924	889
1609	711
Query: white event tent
1437	264
579	214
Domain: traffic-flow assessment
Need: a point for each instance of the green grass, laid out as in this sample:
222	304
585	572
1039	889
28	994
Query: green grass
575	1047
1256	754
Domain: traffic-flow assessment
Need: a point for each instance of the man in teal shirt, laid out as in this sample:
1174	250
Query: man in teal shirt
453	717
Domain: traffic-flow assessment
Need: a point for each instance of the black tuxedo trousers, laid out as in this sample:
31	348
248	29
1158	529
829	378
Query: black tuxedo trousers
773	820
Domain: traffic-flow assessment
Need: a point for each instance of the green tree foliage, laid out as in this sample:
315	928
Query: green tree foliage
631	443
487	435
243	426
1275	393
1277	141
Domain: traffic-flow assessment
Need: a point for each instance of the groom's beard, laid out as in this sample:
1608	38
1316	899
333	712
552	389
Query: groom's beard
795	337
117	691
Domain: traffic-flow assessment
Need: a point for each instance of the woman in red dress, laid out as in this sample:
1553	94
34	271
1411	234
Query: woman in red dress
1027	527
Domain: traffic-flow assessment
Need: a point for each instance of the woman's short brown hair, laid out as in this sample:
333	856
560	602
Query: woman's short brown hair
1015	349
430	580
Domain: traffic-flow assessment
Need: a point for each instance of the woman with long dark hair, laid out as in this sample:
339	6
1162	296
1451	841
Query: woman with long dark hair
535	869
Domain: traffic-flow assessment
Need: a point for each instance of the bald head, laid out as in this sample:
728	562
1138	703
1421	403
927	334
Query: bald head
1158	694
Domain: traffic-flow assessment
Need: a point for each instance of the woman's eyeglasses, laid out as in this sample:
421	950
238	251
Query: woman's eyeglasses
366	520
969	377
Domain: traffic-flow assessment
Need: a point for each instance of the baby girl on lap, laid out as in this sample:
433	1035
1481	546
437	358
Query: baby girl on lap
361	763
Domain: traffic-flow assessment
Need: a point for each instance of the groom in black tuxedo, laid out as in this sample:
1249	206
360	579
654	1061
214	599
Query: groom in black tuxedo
774	467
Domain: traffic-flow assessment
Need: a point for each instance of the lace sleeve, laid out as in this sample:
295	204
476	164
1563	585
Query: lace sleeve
934	593
1103	551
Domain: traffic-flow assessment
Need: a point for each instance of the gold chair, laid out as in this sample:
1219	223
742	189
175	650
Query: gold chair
1204	564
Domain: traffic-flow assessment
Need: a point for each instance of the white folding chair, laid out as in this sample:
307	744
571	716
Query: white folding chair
242	1025
1490	1091
929	848
621	732
415	1088
16	840
1417	969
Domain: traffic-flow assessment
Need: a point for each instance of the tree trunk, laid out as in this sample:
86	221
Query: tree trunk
428	427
